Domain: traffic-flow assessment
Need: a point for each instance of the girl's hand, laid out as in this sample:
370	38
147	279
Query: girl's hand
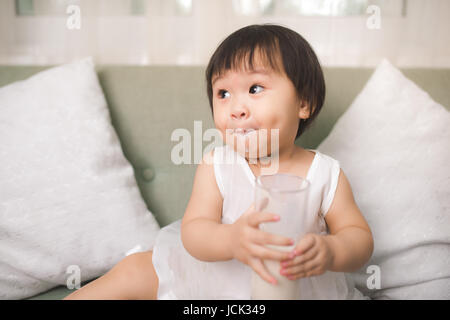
248	242
312	257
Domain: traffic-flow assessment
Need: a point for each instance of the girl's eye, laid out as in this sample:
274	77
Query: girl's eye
221	92
256	86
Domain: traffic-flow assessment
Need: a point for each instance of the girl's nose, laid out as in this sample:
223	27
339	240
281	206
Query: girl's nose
239	113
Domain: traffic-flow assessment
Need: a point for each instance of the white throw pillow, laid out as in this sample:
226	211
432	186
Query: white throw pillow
393	143
69	201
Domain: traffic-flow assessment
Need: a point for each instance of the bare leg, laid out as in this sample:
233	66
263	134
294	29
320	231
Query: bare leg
132	278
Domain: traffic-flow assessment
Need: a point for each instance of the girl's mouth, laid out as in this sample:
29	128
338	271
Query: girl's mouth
242	132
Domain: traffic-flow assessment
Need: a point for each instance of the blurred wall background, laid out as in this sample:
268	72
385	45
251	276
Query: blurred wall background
356	33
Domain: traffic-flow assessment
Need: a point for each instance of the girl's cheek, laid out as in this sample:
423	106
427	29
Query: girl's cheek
219	120
222	121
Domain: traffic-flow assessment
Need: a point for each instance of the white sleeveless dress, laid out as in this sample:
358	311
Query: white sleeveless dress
184	277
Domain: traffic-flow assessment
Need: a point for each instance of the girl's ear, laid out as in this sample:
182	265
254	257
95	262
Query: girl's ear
303	111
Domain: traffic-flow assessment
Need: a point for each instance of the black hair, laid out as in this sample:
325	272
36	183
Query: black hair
273	42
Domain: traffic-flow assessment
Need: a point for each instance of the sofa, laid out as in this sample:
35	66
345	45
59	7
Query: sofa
147	103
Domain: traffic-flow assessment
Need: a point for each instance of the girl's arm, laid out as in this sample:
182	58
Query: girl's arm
202	232
350	237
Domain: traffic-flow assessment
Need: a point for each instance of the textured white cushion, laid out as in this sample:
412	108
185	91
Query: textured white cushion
68	195
393	143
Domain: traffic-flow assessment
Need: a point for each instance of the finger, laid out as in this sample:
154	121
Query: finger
263	252
263	237
306	243
259	217
302	268
262	271
308	255
314	272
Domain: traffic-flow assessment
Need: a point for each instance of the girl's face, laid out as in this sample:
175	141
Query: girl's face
255	100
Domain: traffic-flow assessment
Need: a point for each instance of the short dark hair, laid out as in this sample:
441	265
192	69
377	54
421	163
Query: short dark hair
300	63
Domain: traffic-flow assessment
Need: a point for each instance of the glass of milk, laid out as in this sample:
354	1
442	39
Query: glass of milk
287	196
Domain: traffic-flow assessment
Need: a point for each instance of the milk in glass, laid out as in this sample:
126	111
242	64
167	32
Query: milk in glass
285	289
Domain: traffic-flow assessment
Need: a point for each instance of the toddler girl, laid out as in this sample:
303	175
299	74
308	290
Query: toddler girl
260	77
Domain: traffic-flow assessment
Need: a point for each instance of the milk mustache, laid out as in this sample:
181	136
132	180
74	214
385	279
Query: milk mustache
285	289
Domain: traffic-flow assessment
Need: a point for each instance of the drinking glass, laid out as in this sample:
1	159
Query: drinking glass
287	196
